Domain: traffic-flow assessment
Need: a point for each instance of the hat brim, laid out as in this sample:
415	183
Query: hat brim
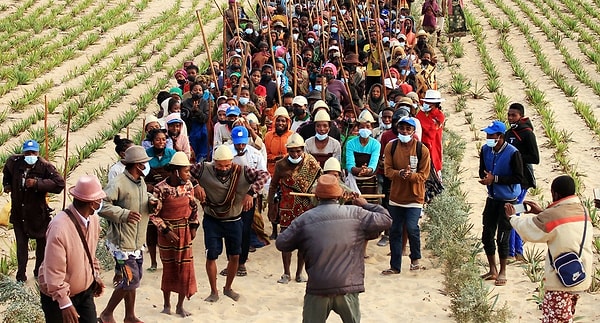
491	131
433	100
99	195
240	141
142	160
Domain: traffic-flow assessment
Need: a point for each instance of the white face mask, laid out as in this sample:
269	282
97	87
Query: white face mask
311	40
387	126
146	169
343	11
244	101
318	87
249	31
321	137
491	142
334	30
404	138
99	207
402	44
296	36
412	57
425	107
385	39
364	133
30	160
295	160
316	27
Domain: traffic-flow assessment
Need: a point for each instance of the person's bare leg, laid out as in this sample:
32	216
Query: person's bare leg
166	302
130	307
152	252
232	267
179	310
501	280
116	298
286	258
299	268
493	273
211	272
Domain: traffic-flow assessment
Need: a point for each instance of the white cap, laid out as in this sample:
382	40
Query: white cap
223	153
300	100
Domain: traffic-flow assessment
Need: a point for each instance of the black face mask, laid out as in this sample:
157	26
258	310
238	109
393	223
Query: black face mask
223	121
351	68
298	111
421	42
223	173
236	67
182	81
265	78
196	96
328	77
229	123
158	151
191	78
425	62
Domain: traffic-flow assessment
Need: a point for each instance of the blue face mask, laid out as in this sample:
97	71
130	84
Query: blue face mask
364	133
321	137
30	160
244	101
404	138
425	107
295	160
334	30
391	104
491	142
318	87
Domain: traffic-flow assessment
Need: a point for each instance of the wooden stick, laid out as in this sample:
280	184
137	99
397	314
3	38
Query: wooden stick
381	51
212	70
46	127
66	156
367	196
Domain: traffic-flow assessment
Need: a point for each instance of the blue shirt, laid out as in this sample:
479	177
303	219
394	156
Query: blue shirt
373	148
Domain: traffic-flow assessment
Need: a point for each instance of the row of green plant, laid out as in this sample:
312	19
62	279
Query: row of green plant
558	139
96	80
42	60
13	24
449	237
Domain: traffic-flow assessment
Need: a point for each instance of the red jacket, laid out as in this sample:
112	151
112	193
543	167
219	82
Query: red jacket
432	123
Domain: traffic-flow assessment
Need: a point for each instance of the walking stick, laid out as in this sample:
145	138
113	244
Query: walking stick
209	126
66	167
47	153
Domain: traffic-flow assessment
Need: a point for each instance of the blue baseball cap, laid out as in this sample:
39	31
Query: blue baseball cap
31	145
239	135
233	110
408	120
495	127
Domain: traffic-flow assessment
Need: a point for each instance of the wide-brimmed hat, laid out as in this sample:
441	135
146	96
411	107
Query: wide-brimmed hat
180	159
135	154
294	141
433	96
366	116
406	101
87	189
223	153
422	33
149	119
322	115
281	112
332	164
320	104
328	187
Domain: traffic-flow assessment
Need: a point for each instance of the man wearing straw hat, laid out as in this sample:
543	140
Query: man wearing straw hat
69	280
335	275
295	173
228	190
28	178
126	207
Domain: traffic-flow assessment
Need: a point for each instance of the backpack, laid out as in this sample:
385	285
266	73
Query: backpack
433	184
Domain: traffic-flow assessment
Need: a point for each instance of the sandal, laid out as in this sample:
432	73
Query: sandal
415	267
284	279
152	269
241	272
488	276
390	271
223	272
500	282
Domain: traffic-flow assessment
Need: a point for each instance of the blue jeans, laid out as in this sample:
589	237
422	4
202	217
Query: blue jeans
515	244
402	216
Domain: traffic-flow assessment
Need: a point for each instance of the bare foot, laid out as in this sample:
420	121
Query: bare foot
300	279
166	310
231	294
182	312
105	318
213	297
132	320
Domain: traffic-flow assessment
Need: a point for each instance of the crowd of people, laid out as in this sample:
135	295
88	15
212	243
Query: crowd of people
324	115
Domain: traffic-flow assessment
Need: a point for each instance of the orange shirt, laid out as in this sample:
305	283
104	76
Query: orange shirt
275	146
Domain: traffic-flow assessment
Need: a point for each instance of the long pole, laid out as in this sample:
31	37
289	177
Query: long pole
214	75
47	153
380	49
66	167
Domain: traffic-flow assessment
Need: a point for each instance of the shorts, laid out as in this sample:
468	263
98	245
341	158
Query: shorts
131	270
559	306
214	233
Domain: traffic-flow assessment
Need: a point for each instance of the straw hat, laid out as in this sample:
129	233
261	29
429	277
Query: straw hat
422	33
251	117
320	104
179	159
433	96
322	115
406	101
87	189
149	119
366	116
328	187
294	141
135	155
223	153
281	112
332	164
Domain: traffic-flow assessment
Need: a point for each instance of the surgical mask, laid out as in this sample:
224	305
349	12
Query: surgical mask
296	36
402	44
295	160
404	72
146	169
514	125
343	11
316	27
426	107
404	138
99	207
311	40
321	137
298	111
244	101
412	57
278	73
391	104
387	126
491	142
360	7
249	31
238	50
318	87
364	133
385	39
334	30
30	160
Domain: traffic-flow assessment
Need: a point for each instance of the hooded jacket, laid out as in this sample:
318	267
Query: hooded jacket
522	137
379	104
